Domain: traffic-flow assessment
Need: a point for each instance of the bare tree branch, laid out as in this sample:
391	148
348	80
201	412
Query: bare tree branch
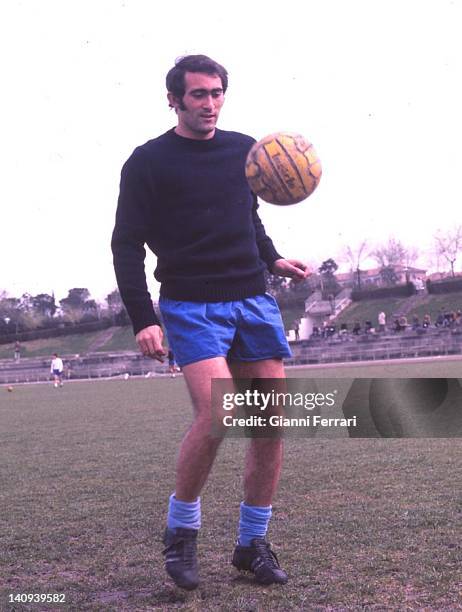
449	244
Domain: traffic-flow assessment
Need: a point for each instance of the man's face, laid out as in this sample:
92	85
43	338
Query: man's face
202	103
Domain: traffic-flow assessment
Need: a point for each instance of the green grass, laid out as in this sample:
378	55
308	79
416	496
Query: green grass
289	315
63	345
86	472
122	340
432	304
368	310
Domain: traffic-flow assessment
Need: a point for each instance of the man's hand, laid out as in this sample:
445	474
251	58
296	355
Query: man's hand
292	268
149	341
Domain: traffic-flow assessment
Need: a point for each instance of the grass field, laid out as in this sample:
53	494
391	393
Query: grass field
432	304
63	345
122	339
367	310
86	471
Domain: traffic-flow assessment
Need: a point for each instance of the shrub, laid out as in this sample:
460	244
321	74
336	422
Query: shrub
449	285
383	292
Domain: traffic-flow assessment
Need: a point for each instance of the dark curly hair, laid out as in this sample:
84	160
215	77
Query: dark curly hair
193	63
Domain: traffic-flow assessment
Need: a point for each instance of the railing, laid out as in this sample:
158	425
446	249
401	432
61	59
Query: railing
122	365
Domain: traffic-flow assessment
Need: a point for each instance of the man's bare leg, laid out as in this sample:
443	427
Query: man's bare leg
198	448
264	455
262	470
197	453
196	456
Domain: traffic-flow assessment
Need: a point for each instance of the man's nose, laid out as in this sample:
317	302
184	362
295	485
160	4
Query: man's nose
208	102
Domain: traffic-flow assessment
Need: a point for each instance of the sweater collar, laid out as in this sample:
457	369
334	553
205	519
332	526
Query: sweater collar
192	143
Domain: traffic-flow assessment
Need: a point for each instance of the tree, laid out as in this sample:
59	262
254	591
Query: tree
388	275
116	308
9	313
448	245
277	285
75	299
114	301
329	283
393	253
44	304
328	267
90	306
25	303
305	287
355	256
26	317
74	306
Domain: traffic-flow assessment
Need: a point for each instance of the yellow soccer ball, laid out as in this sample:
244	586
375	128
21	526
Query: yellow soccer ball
283	168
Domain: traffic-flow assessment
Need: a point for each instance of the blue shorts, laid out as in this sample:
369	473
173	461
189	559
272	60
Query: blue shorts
243	330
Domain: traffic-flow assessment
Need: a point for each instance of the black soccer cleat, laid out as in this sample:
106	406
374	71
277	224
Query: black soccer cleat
261	560
181	557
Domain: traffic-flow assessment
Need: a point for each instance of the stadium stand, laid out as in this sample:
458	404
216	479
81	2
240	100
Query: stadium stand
344	348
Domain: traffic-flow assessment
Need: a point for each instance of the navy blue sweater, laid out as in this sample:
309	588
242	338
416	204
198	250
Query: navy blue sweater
190	202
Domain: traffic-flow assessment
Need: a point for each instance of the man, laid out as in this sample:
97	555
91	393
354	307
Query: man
382	319
185	195
297	329
17	351
57	370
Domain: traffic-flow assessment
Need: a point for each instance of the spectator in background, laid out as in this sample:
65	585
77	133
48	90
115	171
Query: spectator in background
297	329
447	319
415	322
440	318
343	330
17	351
331	328
426	322
57	370
382	319
356	328
172	367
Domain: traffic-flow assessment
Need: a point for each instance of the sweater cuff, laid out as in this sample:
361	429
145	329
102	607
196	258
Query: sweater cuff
269	255
141	316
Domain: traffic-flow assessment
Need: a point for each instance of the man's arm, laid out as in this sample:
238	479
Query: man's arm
128	240
277	265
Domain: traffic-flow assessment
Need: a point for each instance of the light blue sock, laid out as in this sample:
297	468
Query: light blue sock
183	514
253	523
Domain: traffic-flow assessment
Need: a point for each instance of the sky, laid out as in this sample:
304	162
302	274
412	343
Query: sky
373	84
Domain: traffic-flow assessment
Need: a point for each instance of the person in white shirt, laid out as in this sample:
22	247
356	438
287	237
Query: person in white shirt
57	370
382	321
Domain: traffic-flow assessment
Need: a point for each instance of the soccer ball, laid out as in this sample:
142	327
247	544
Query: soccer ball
283	168
9	389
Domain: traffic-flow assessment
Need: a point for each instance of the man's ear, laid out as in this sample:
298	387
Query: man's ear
173	102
